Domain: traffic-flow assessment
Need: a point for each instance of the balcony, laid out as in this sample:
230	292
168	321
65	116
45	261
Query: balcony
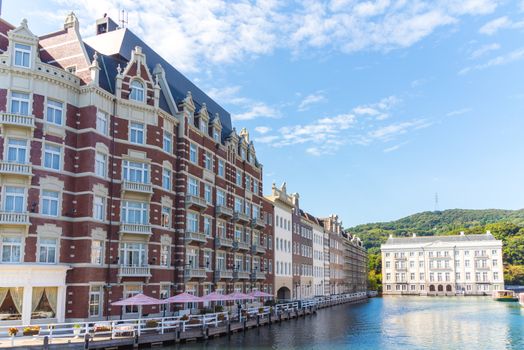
140	187
192	272
17	120
135	229
256	248
401	258
258	275
223	211
241	275
240	245
240	217
195	237
258	223
223	274
134	271
14	218
15	168
223	242
195	202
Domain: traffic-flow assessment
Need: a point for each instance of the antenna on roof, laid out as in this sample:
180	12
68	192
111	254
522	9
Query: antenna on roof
123	18
436	201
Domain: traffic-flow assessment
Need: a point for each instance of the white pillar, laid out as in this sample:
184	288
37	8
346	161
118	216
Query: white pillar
60	303
27	304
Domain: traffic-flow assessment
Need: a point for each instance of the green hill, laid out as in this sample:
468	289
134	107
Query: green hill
507	225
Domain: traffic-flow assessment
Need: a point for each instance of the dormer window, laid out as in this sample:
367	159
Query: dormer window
243	153
22	55
137	91
216	135
203	126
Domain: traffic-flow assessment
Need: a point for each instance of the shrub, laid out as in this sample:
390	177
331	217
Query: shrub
260	310
77	326
219	308
194	321
13	331
184	318
151	324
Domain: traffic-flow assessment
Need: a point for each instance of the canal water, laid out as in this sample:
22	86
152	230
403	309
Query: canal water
390	323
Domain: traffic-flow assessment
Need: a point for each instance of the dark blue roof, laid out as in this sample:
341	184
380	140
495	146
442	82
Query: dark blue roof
120	53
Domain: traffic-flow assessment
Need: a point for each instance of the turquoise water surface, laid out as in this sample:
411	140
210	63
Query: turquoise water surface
391	323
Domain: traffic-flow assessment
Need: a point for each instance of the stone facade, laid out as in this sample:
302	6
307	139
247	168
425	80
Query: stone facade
442	265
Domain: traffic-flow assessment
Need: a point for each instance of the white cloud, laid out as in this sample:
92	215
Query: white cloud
392	148
310	100
195	34
262	129
493	26
481	51
257	110
510	57
458	112
389	132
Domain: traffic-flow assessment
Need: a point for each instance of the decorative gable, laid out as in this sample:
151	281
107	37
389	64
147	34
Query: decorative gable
24	45
136	76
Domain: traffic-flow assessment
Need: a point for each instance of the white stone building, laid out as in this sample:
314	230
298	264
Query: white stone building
442	265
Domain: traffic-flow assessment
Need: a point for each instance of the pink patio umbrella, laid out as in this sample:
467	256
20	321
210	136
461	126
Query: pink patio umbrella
239	296
216	297
183	298
260	294
138	300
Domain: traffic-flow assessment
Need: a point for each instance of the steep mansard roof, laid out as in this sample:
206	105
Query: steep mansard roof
115	47
431	239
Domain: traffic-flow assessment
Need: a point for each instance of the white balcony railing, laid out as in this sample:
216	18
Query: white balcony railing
223	211
257	248
223	274
223	242
195	237
239	216
195	201
13	218
142	187
17	119
15	168
194	273
134	271
258	275
241	275
258	223
135	228
240	245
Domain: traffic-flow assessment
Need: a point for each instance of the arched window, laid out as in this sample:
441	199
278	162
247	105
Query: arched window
137	91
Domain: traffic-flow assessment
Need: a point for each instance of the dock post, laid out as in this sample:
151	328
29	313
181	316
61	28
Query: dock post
269	317
177	335
46	343
228	327
244	324
86	341
205	332
135	342
258	320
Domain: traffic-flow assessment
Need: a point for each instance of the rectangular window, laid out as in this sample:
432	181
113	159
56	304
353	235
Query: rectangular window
99	208
133	254
203	126
22	55
100	164
221	229
166	217
221	198
55	111
255	186
239	205
248	183
136	172
95	301
193	187
192	222
17	151
47	250
135	213
221	168
208	161
101	123
52	155
207	226
166	179
239	178
208	194
136	133
14	199
168	142
11	249
97	252
216	135
207	259
193	153
50	203
19	103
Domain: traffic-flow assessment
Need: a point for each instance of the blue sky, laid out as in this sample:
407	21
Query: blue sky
367	109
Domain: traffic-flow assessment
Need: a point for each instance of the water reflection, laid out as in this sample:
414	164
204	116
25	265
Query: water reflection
391	323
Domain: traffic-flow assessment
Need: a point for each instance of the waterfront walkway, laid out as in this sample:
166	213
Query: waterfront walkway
164	330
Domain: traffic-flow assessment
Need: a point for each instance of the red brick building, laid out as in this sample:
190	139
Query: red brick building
118	176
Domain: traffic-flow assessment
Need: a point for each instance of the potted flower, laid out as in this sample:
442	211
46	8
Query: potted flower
31	330
260	310
184	318
151	324
12	332
76	329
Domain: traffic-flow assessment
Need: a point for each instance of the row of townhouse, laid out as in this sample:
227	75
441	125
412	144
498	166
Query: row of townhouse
313	256
119	176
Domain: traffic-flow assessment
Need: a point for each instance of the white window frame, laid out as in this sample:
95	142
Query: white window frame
52	152
139	210
17	193
97	252
102	123
137	133
22	53
99	208
166	217
55	112
95	291
135	172
166	178
137	90
193	153
208	193
221	168
47	198
193	186
16	244
16	145
49	248
192	222
20	100
101	164
167	142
